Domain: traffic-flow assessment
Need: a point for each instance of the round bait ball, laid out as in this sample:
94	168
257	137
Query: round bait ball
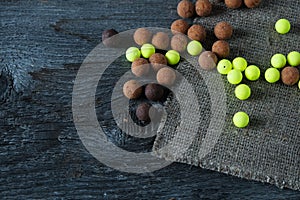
252	3
140	67
272	75
282	26
154	92
142	112
179	42
142	36
221	48
132	89
106	37
166	76
223	30
290	75
242	92
179	26
278	61
241	119
161	40
186	9
158	61
203	8
233	4
194	48
132	53
224	66
197	32
147	50
239	63
208	60
293	58
173	57
234	76
252	73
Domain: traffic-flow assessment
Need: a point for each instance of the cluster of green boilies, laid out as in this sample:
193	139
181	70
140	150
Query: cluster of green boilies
147	50
234	70
194	48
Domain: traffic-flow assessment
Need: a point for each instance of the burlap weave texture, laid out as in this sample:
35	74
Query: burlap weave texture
268	150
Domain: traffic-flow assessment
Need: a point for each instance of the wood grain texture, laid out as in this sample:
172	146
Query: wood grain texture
41	155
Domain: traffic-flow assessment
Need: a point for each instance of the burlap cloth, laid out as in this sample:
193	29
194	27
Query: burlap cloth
268	150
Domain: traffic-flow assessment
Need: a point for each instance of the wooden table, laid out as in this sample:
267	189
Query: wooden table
43	44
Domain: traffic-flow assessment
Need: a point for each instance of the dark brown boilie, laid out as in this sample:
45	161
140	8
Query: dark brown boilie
140	67
132	89
142	36
221	48
208	60
290	75
158	61
186	9
179	26
161	40
142	112
252	3
203	8
233	4
197	32
179	42
106	37
154	92
166	76
223	30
